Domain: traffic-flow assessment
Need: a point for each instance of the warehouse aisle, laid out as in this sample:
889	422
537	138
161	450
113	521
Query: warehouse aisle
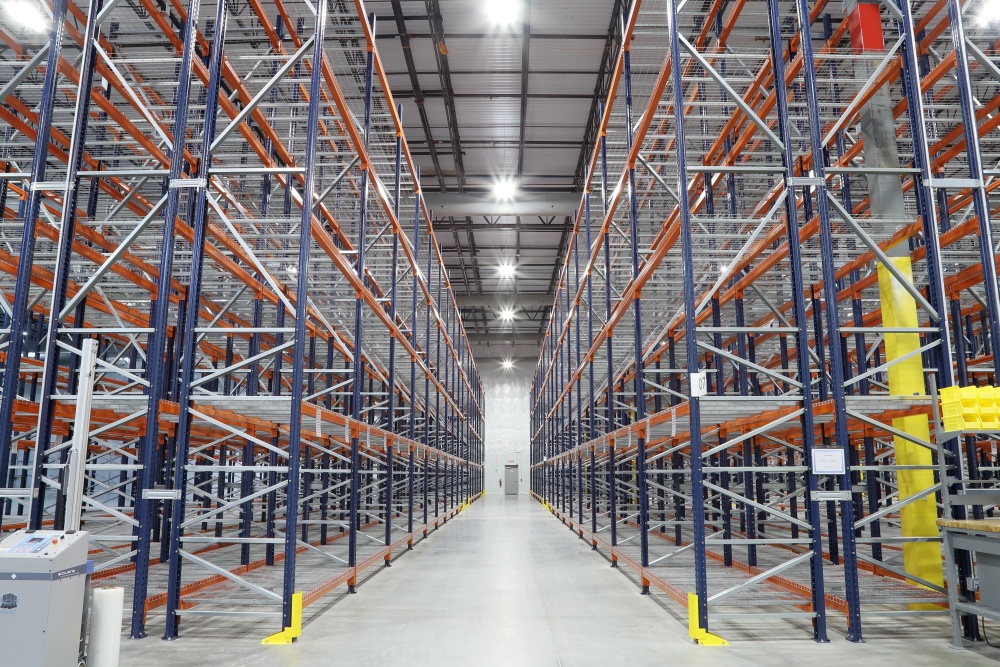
504	584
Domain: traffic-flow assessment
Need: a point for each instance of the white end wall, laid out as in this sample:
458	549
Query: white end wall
508	423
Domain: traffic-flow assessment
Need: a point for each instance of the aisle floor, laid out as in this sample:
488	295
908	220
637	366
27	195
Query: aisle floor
506	584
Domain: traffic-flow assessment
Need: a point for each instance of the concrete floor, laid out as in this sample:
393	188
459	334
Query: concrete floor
506	584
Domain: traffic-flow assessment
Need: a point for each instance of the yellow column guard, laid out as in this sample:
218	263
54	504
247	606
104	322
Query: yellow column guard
701	636
288	635
906	378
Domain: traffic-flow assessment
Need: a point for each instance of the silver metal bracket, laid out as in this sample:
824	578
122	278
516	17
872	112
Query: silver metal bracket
805	181
959	183
187	183
161	494
18	493
826	496
48	185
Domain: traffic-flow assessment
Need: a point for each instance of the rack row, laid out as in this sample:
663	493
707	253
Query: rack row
785	247
219	285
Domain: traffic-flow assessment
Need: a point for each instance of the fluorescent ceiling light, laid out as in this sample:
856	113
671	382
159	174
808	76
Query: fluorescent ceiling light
507	314
502	12
507	270
507	364
27	14
504	189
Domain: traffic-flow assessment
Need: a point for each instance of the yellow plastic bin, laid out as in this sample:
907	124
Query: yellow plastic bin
951	402
988	417
970	408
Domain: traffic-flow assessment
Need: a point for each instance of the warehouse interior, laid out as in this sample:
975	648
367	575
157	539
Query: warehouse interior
522	332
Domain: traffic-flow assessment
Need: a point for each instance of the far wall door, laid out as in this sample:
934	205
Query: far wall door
510	480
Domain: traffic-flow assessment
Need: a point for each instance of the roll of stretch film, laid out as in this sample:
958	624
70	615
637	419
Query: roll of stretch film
106	627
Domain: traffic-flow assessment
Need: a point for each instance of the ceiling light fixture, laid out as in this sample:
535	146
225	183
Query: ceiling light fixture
502	12
28	14
507	314
504	189
507	270
507	364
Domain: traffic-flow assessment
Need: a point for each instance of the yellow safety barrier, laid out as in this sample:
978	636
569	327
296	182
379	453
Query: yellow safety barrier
701	636
288	635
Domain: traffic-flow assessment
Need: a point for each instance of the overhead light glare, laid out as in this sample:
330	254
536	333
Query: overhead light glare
502	13
504	189
507	364
27	14
507	314
507	270
989	12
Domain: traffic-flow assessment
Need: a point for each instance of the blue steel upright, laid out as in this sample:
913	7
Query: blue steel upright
358	365
640	397
690	330
829	270
144	509
60	281
391	405
20	318
413	343
189	345
302	316
609	426
799	313
910	67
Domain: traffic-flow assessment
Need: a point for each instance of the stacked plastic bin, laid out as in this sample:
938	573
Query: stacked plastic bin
970	409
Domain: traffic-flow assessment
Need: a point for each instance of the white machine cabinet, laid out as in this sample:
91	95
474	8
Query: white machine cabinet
43	588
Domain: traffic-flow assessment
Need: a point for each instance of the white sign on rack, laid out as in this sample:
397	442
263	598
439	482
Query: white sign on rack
699	384
828	461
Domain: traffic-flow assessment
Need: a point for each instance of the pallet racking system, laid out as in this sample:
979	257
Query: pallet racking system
256	344
786	243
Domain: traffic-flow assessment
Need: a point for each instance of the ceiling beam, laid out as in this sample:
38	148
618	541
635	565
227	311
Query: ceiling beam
494	143
448	204
511	71
525	71
404	94
448	225
500	35
604	75
505	338
441	55
496	299
559	254
520	360
474	252
520	351
411	68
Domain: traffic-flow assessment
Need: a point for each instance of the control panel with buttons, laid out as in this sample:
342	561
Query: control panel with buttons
40	543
